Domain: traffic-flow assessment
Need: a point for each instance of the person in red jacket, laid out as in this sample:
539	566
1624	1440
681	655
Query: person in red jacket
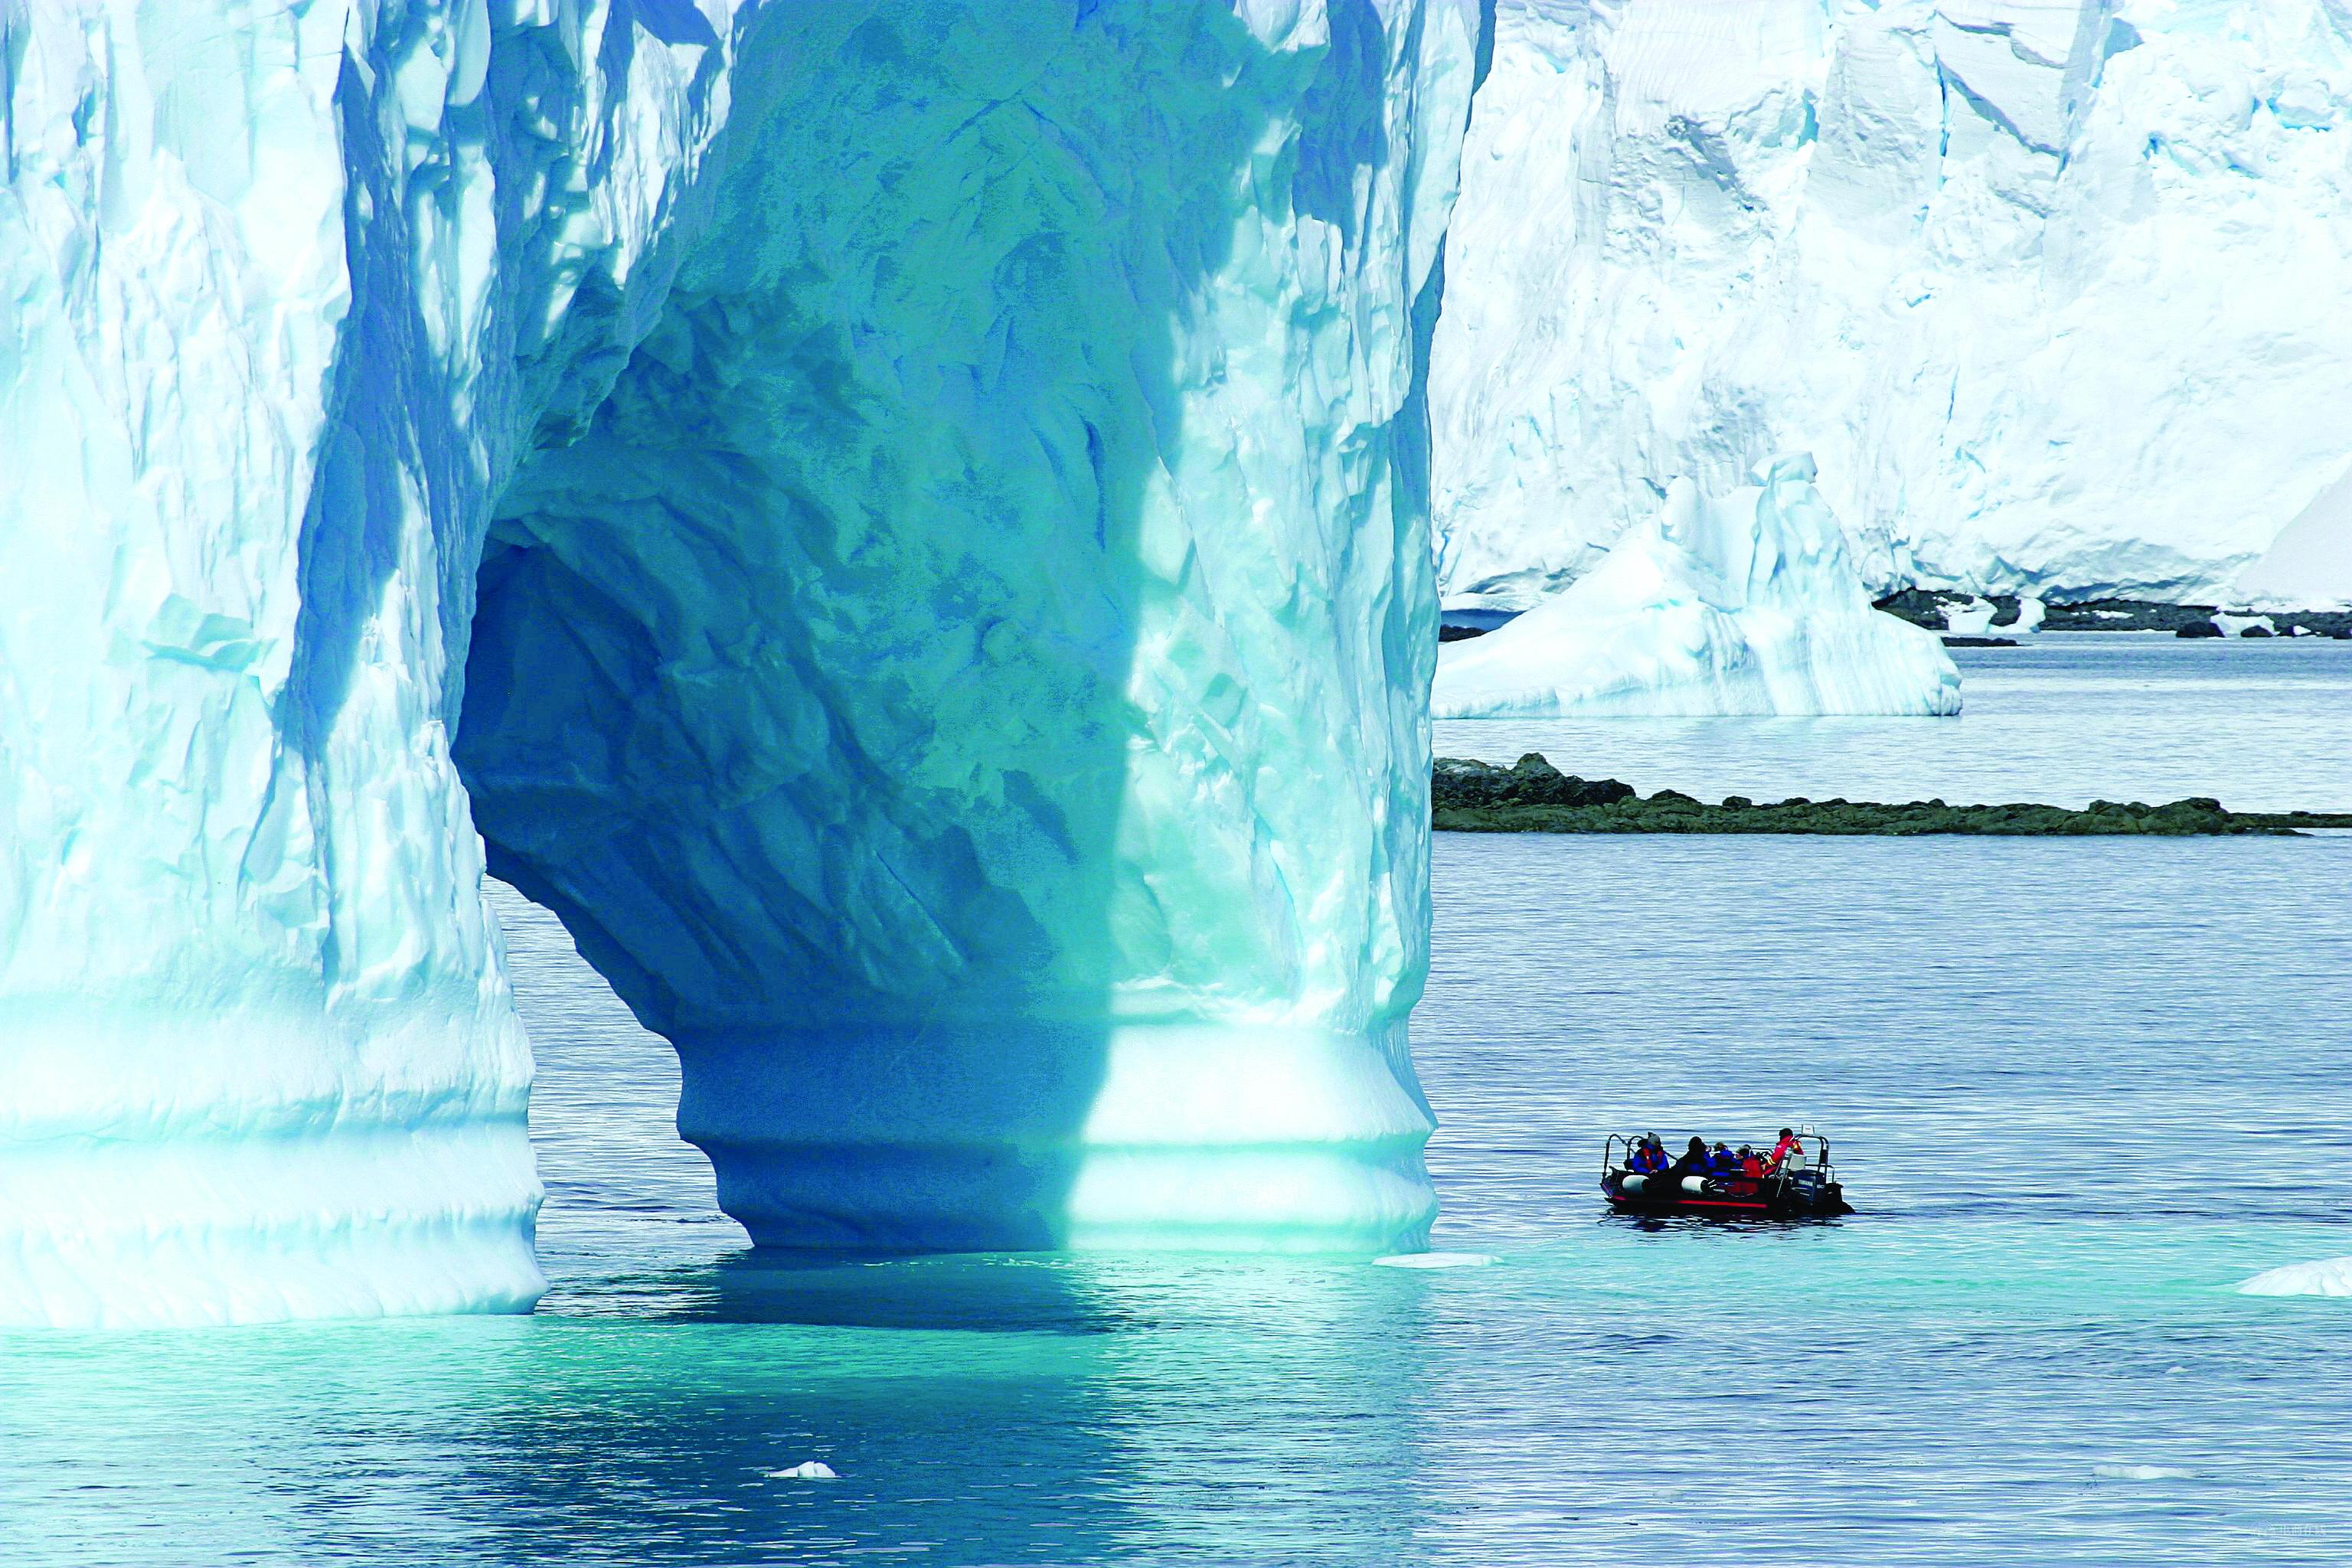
1751	1163
1789	1154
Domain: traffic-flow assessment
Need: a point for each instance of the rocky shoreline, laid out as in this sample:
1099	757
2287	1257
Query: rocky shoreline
1533	796
1927	607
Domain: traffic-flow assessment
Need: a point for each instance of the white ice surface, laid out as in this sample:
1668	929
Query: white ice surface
2056	291
806	1470
1975	618
1749	604
2309	564
2328	1276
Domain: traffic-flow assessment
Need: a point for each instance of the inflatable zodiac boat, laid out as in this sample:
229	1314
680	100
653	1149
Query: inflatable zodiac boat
1803	1186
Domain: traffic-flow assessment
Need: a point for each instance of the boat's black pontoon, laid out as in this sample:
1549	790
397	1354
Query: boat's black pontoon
1800	1191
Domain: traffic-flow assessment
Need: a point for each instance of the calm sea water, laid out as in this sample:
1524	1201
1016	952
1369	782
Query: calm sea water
2063	719
2078	1089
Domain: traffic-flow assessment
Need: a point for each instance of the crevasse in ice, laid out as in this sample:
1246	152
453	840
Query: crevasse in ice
907	520
2054	289
1745	603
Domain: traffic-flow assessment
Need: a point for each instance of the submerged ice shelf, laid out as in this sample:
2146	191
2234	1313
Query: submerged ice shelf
1748	603
835	497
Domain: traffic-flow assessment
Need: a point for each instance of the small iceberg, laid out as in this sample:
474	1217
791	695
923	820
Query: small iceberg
1437	1260
1746	604
1975	618
806	1470
2141	1472
2328	1276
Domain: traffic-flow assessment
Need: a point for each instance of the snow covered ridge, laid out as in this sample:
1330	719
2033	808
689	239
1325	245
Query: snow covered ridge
1748	603
907	520
2054	292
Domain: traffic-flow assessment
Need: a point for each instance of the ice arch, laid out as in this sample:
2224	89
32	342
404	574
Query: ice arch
943	487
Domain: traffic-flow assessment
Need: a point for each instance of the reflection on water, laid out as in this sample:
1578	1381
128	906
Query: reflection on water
2065	719
2080	1089
999	1410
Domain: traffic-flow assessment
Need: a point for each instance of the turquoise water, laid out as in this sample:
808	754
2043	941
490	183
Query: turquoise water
2065	718
2079	1088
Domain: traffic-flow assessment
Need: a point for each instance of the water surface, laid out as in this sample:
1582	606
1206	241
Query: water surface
2079	1090
2063	719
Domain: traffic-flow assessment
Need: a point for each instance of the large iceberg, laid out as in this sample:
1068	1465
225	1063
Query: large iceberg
907	520
1745	603
2055	289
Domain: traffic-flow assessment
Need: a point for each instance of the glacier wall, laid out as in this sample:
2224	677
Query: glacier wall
907	520
2054	291
1743	603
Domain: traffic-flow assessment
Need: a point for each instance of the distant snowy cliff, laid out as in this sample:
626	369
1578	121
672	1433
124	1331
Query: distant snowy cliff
2054	289
908	518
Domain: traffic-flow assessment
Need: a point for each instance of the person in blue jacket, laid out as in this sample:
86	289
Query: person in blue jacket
1647	1156
1722	1161
1694	1162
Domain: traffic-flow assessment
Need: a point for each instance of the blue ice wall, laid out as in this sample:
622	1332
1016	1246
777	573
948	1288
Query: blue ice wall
939	483
963	684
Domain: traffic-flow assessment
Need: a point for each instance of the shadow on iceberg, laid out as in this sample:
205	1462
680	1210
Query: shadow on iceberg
908	518
865	681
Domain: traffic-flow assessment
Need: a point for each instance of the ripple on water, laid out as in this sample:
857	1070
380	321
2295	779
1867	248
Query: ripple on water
2074	1088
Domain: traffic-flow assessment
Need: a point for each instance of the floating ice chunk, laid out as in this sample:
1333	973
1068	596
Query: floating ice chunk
2328	1276
2141	1472
806	1470
1746	605
1975	618
2236	625
1437	1260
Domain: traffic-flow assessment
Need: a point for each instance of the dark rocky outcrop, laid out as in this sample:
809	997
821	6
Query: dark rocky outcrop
1925	607
1532	781
1533	796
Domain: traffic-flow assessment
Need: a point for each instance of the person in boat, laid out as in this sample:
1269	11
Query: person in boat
1647	1158
1694	1162
1787	1155
1721	1161
1751	1163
